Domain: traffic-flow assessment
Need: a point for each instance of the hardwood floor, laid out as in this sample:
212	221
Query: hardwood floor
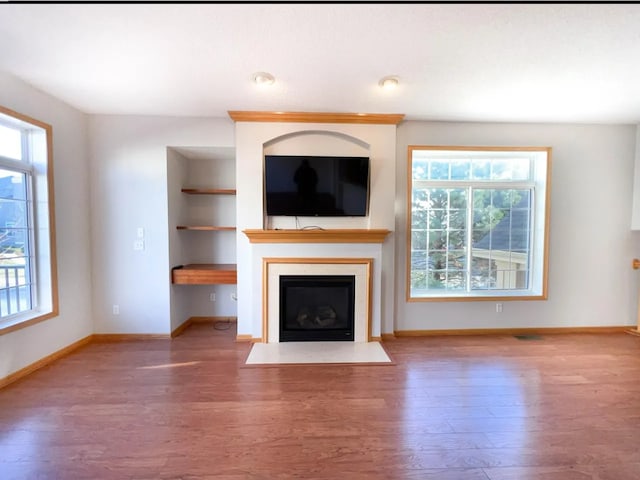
470	408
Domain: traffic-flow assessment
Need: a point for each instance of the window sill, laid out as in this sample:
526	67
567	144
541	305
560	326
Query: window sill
479	298
23	321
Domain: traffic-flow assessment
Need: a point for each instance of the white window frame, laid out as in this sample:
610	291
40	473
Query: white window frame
539	183
37	163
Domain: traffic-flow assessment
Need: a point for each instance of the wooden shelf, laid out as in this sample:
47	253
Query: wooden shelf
205	274
205	228
355	235
209	191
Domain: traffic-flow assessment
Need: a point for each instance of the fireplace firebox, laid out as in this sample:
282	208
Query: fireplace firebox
317	308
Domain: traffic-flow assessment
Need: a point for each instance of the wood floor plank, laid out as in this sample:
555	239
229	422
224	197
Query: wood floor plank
470	408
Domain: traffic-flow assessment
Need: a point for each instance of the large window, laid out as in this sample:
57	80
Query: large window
478	223
27	254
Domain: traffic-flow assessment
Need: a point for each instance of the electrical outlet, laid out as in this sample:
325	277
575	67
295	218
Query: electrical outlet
116	309
212	297
138	245
498	308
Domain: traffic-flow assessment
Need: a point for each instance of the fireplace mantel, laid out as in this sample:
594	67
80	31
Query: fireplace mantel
353	235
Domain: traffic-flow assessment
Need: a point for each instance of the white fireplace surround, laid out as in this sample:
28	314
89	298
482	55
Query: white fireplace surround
274	268
256	137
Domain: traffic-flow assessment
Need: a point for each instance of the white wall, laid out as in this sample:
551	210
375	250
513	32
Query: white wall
177	176
23	347
118	167
129	190
635	212
591	282
125	183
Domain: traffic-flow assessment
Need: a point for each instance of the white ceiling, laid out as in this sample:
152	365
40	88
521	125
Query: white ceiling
484	62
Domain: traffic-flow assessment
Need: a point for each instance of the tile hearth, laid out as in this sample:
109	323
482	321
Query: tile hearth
290	353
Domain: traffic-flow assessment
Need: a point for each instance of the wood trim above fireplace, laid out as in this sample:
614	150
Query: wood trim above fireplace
352	235
316	117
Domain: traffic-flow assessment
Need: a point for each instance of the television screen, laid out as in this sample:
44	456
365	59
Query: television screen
321	186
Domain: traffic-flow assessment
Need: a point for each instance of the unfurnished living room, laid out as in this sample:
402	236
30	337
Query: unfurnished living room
319	241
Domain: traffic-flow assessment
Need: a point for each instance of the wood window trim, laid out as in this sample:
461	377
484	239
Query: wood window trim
9	326
543	295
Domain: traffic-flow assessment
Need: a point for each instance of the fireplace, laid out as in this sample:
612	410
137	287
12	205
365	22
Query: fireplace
356	270
317	308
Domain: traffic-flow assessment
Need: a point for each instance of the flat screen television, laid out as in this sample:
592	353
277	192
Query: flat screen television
320	186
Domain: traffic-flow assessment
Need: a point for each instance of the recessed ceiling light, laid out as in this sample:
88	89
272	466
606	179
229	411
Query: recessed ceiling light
389	83
263	78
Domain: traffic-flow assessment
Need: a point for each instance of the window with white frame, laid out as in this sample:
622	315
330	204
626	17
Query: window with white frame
478	223
27	248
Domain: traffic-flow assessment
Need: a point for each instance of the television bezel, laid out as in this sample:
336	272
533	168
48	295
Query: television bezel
319	214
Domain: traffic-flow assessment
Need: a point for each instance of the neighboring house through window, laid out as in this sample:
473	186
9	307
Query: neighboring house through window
28	284
478	223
